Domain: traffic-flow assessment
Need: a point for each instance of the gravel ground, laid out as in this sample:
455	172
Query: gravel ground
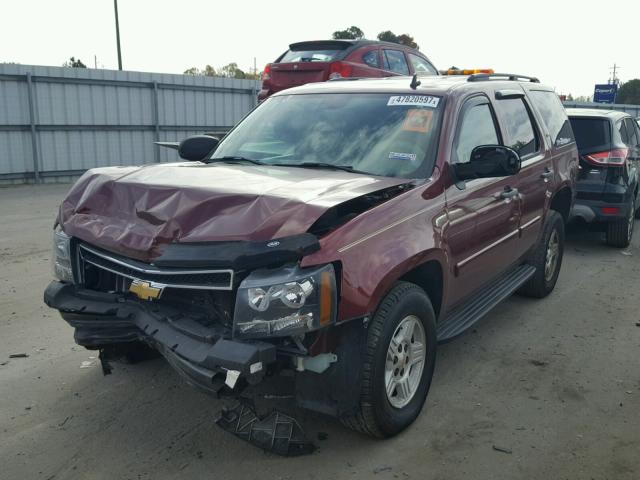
539	389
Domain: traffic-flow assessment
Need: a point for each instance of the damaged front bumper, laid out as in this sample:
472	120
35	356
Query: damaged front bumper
199	353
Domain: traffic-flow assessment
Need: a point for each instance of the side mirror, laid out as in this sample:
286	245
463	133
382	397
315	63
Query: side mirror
197	147
489	161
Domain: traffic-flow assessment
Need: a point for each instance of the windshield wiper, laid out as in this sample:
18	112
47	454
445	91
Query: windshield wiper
236	158
344	168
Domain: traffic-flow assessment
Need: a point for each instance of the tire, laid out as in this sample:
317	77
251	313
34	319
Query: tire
620	232
406	308
544	280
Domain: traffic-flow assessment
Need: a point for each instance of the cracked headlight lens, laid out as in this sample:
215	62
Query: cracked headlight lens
61	256
286	301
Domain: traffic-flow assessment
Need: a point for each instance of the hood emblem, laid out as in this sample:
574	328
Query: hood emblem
275	243
146	290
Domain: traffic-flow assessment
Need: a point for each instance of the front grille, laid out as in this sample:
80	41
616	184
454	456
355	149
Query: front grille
126	270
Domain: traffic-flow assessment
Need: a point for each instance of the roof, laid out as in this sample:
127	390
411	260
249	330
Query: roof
431	85
351	42
595	113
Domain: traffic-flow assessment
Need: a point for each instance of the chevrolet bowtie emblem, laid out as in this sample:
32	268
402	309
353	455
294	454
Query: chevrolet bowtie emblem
146	290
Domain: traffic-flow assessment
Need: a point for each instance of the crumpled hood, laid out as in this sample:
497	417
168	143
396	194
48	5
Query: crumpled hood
135	211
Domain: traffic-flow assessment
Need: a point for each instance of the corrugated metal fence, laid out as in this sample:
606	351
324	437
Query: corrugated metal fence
58	122
633	110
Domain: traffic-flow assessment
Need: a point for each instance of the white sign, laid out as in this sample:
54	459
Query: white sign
413	101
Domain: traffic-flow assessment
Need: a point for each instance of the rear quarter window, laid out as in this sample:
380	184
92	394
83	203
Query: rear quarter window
554	117
591	133
371	59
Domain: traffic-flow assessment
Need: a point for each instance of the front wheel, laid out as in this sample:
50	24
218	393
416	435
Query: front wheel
547	258
398	363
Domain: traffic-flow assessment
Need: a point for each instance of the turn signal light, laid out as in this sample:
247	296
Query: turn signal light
471	71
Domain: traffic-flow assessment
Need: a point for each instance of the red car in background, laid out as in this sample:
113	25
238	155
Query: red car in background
322	60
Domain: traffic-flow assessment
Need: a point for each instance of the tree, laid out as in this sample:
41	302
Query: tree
629	92
229	71
404	39
208	71
73	63
351	33
407	40
388	36
232	71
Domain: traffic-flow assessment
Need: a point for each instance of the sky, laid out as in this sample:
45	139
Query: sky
568	44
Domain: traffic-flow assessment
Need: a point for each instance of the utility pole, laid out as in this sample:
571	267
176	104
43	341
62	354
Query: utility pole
614	77
115	7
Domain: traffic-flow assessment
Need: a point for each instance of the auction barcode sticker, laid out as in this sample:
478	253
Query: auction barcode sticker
413	101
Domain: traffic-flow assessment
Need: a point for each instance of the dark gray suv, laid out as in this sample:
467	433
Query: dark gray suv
607	187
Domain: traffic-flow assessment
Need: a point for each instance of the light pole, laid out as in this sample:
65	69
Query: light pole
115	7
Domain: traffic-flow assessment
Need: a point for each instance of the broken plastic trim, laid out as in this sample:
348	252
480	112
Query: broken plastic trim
343	212
277	433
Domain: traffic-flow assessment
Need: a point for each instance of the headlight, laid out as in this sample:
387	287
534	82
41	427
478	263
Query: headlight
61	256
284	302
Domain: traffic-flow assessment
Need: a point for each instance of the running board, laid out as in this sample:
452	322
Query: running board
464	316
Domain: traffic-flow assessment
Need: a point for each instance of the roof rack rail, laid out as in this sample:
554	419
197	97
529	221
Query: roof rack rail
478	77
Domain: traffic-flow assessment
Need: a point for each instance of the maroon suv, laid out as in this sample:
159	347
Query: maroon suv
333	237
319	61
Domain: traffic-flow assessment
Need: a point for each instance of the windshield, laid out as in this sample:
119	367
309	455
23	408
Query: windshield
293	56
378	134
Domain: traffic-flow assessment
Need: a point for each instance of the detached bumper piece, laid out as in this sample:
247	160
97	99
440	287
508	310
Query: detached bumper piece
276	433
199	353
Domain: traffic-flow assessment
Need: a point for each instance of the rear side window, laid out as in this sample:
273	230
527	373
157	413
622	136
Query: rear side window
421	66
371	59
394	61
516	120
477	128
554	117
632	133
591	133
622	128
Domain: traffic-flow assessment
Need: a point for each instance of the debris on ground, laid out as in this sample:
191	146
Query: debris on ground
498	448
626	252
87	364
323	435
65	421
277	432
538	363
383	468
19	355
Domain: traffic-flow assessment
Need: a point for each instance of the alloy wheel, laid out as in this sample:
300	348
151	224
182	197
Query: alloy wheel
405	361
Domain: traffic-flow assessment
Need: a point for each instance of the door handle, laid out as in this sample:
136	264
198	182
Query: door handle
508	193
548	173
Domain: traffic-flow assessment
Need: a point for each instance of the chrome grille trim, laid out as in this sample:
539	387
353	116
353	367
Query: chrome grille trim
144	273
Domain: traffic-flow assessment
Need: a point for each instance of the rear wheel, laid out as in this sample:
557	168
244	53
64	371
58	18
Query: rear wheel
398	363
547	258
620	232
